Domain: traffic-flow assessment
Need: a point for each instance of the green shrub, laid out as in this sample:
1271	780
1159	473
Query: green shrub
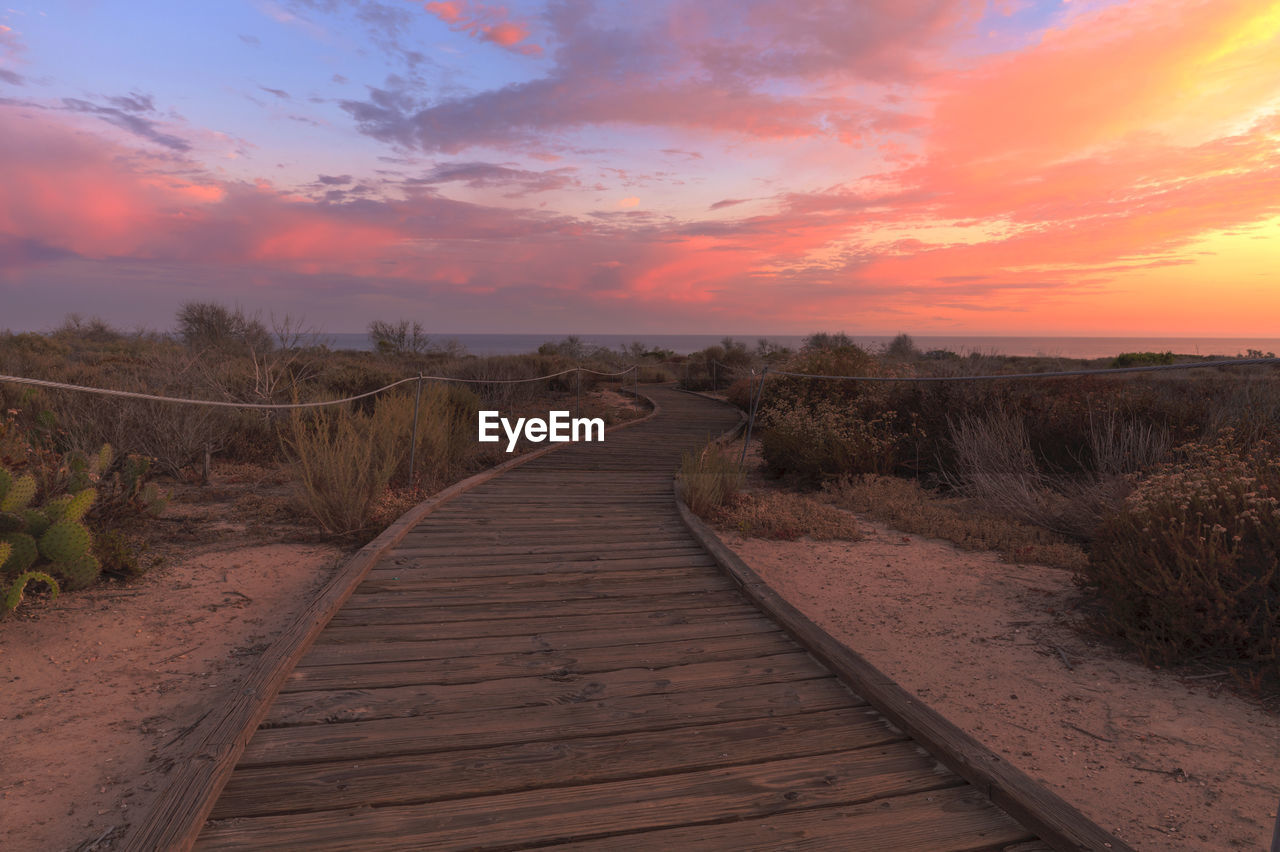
1191	565
1142	359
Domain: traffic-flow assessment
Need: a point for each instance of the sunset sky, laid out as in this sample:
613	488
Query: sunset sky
1020	167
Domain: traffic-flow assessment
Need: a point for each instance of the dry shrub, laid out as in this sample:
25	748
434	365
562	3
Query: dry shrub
343	462
652	375
997	469
739	393
1191	564
708	479
446	431
786	516
816	441
1120	446
904	505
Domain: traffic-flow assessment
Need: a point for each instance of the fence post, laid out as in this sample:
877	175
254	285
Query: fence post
577	402
636	376
751	417
413	442
714	386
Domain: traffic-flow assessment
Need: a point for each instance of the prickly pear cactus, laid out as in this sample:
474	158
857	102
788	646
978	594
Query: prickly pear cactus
13	595
77	573
65	541
11	522
23	553
6	479
19	494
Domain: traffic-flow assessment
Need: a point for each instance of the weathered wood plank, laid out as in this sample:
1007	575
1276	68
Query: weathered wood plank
385	737
574	640
550	814
619	588
431	614
423	580
481	558
473	669
504	769
621	561
567	545
427	631
351	705
956	819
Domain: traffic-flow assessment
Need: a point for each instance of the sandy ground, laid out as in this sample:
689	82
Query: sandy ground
1161	760
101	687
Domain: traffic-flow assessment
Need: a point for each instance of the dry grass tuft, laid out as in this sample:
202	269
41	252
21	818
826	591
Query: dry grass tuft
904	505
786	516
708	479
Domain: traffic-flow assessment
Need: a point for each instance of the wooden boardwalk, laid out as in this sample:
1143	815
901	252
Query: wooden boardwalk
551	659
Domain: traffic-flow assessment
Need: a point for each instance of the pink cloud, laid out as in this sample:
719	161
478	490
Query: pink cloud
487	23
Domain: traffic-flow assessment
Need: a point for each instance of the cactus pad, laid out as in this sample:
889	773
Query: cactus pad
105	457
65	542
37	522
11	522
13	596
22	553
19	495
56	507
77	573
6	479
80	503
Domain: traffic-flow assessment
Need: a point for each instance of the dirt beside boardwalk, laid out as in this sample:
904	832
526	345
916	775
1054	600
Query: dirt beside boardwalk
1164	761
101	688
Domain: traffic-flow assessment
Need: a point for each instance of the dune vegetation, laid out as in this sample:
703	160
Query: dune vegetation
1160	491
112	458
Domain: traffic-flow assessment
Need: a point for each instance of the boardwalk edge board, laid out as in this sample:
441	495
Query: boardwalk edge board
1057	822
179	813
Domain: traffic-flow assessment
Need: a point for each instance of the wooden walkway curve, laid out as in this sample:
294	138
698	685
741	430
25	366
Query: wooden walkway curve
552	660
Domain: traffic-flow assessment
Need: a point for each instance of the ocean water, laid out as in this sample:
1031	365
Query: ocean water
683	344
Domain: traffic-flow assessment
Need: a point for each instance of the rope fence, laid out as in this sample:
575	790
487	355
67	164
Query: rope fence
214	403
420	378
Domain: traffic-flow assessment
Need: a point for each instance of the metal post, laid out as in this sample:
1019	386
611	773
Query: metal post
577	404
1275	835
413	443
636	375
751	419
